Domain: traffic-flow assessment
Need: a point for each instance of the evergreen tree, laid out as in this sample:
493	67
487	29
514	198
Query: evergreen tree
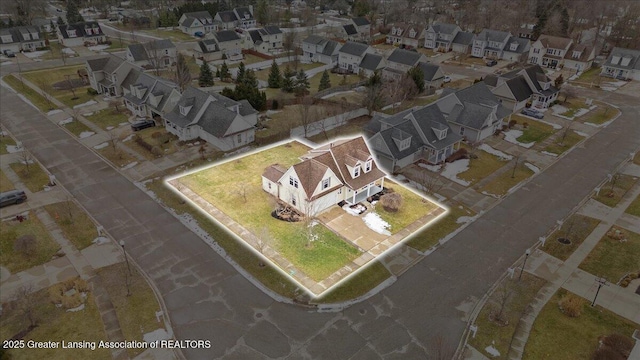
224	72
416	74
262	12
558	81
302	85
206	76
564	21
248	89
73	15
287	81
240	74
375	79
60	21
325	82
275	78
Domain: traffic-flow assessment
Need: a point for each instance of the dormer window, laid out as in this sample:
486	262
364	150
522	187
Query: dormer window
356	171
71	33
184	110
513	46
440	133
326	183
293	182
625	61
412	33
576	54
615	59
367	165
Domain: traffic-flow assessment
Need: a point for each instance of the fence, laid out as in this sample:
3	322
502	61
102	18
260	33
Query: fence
327	124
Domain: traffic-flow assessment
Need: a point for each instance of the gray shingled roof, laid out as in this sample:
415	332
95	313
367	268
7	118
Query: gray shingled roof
523	45
314	39
350	29
272	29
80	29
472	97
492	35
354	48
445	28
226	35
429	71
20	34
371	61
242	11
405	57
360	21
330	47
227	16
463	38
256	38
138	52
520	88
208	42
634	56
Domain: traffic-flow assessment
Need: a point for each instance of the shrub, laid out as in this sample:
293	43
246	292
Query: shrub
461	153
571	305
156	134
25	245
157	151
274	105
525	125
619	343
81	285
391	202
140	141
605	353
92	92
512	123
70	302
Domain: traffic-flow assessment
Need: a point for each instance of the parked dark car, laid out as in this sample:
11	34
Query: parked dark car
532	113
142	124
492	62
9	53
12	197
199	34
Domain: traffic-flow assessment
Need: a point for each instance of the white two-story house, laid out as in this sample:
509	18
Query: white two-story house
267	40
158	54
25	38
351	54
197	22
549	51
229	43
79	34
318	49
489	44
622	64
400	61
439	37
405	35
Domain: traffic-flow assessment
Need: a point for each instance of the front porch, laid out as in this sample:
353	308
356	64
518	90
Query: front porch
363	193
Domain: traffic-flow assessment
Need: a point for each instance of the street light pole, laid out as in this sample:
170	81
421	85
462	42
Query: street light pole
601	281
128	273
526	255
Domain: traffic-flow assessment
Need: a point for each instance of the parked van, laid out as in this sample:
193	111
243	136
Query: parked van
12	197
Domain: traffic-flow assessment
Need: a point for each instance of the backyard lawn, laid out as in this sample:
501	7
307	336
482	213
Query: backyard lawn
634	207
33	177
413	208
34	97
534	132
5	183
54	324
507	180
557	336
518	295
264	73
485	165
5	140
75	224
560	146
352	128
408	104
613	258
220	186
108	118
288	118
38	253
445	225
173	35
576	228
611	195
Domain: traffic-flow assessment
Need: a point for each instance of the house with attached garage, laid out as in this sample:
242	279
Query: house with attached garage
108	74
433	75
473	112
623	64
158	54
82	33
207	50
371	63
489	44
229	43
579	57
400	61
318	49
405	35
517	88
516	49
439	37
197	22
344	170
351	54
363	28
267	40
549	51
239	17
224	123
25	38
421	133
149	96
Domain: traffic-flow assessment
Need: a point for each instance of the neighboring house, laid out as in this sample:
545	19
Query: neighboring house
520	87
371	63
439	37
155	54
473	112
318	49
526	31
489	44
245	17
45	25
351	54
405	35
363	28
340	171
420	133
229	43
433	75
218	120
79	34
349	33
227	19
516	49
267	40
622	64
197	22
462	42
25	38
108	74
149	96
208	50
549	51
579	57
400	61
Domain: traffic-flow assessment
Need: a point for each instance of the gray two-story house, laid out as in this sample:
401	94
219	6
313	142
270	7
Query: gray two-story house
549	51
318	49
489	44
351	54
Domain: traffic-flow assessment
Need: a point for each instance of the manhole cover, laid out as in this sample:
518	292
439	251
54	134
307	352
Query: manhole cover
564	241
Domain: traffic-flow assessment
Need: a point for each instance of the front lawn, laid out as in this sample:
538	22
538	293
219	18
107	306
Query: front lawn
226	185
636	158
32	176
440	228
108	118
48	78
516	295
77	128
600	115
615	255
5	140
557	336
634	207
54	324
479	168
560	146
507	180
413	208
76	225
28	254
591	75
611	195
30	94
357	285
117	157
5	183
161	142
576	228
535	130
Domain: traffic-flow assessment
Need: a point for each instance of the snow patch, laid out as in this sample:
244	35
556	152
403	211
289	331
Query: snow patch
375	223
337	93
347	208
98	47
65	121
434	168
100	240
86	134
53	112
6	63
492	351
35	54
128	138
464	219
549	153
581	133
451	170
512	136
555	126
90	102
532	167
75	309
12	149
490	194
129	165
156	335
492	151
110	127
101	146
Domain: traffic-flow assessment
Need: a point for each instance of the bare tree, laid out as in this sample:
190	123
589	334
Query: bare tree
46	91
307	113
263	241
242	188
27	159
182	74
153	55
68	207
503	295
27	304
310	209
72	86
373	98
115	104
431	183
289	42
568	92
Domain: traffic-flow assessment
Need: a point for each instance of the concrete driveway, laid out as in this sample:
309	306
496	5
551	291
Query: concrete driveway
352	228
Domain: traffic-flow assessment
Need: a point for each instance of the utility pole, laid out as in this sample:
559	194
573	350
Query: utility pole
128	273
601	281
526	256
515	165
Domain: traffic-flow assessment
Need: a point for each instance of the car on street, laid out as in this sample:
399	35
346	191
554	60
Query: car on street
447	79
532	113
142	124
12	197
9	53
492	63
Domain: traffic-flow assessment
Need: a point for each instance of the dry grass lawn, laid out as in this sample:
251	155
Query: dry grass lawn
560	146
613	258
507	180
76	225
5	183
611	195
444	226
485	165
16	261
634	207
576	228
32	176
4	141
413	208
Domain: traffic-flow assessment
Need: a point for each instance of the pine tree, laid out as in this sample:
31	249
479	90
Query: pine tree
73	15
206	76
374	80
417	76
60	21
564	21
287	81
275	78
262	12
325	82
240	74
301	84
224	72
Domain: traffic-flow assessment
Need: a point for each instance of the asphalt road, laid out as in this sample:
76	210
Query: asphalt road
207	299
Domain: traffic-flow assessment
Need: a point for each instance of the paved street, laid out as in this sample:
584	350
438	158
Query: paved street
208	299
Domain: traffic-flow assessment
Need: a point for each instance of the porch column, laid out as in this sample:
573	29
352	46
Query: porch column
353	200
382	183
368	190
